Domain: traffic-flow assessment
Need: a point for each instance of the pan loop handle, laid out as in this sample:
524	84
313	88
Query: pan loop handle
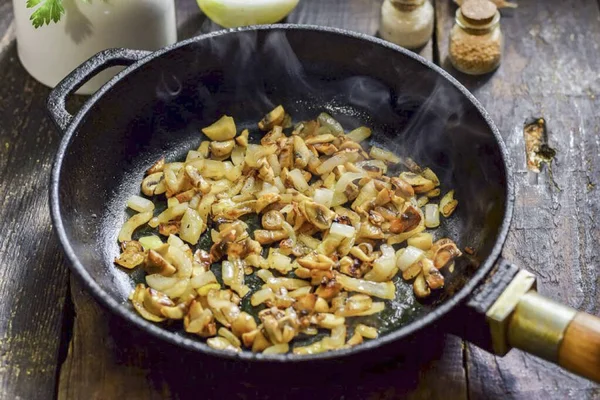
80	75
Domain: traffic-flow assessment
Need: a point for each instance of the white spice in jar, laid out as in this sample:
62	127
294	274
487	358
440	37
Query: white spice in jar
408	23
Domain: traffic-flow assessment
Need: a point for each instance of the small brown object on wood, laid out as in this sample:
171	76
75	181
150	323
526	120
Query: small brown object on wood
579	351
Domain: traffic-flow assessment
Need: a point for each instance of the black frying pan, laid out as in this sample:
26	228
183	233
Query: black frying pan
157	105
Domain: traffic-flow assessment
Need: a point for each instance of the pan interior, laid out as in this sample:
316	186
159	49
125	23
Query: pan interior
158	109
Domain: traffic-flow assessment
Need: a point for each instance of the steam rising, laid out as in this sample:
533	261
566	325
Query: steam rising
413	111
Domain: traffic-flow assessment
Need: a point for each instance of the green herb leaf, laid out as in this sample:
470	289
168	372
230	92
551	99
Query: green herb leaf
47	10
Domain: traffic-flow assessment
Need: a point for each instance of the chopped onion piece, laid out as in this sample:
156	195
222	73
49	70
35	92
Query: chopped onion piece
384	155
298	180
261	296
339	158
204	279
376	307
346	179
191	227
324	197
383	290
366	331
423	241
407	257
341	230
281	348
432	216
384	267
151	242
132	224
140	204
359	134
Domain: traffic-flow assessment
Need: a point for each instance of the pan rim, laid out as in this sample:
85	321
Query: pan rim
172	338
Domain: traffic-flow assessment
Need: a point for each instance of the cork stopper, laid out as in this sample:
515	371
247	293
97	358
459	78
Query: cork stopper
478	12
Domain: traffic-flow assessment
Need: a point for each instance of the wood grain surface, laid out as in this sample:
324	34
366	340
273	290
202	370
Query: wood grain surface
550	69
33	277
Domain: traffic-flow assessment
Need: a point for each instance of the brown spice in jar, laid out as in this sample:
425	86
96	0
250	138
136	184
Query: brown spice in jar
473	53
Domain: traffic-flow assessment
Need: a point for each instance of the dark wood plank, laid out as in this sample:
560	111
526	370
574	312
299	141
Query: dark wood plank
550	69
104	362
33	278
108	359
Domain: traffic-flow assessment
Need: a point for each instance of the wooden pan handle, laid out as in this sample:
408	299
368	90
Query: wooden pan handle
556	333
579	351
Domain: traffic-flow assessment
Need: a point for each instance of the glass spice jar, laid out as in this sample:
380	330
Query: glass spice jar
408	23
476	41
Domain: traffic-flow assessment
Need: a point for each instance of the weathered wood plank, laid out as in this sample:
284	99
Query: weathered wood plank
550	69
104	363
33	277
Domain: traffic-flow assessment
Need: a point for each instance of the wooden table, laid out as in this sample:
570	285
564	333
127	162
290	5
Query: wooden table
55	340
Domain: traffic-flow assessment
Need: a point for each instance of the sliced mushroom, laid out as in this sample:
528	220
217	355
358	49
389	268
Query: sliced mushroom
403	188
383	197
273	136
329	287
351	191
156	167
169	228
286	155
221	343
132	255
376	218
260	342
408	220
433	193
157	264
420	287
327	149
265	172
429	174
268	237
221	150
419	183
444	251
317	214
327	138
412	271
137	299
242	139
197	179
150	183
302	153
448	204
243	324
154	301
434	279
272	220
316	261
370	231
274	117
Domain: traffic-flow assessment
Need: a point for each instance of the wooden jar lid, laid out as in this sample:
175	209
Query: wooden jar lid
478	12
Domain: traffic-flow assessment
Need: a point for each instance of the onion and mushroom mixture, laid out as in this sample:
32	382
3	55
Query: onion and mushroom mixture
330	215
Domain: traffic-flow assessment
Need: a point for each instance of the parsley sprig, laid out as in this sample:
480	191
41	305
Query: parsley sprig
45	11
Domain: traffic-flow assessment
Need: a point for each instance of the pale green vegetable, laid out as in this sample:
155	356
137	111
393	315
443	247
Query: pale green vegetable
235	13
151	242
221	130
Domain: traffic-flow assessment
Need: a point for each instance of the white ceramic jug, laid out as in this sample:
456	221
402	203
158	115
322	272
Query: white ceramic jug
50	52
